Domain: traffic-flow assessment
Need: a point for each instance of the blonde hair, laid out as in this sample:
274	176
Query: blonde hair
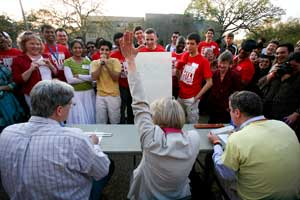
25	37
167	113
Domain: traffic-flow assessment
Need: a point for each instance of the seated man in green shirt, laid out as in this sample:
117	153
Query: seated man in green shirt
262	157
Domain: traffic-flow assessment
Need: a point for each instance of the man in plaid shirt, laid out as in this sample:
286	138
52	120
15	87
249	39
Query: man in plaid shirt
41	159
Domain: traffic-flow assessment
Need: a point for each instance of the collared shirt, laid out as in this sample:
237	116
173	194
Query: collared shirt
224	171
42	160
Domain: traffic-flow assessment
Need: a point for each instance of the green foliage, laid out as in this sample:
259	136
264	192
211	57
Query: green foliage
10	26
234	15
283	31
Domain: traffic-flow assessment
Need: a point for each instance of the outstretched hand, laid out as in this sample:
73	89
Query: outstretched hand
126	46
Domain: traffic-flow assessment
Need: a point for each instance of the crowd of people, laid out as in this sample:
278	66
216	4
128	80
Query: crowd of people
250	86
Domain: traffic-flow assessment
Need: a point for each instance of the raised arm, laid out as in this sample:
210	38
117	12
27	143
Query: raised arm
141	109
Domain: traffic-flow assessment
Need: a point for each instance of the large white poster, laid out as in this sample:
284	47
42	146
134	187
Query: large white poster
156	72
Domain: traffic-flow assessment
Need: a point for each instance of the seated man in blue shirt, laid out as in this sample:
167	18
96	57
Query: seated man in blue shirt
261	158
41	159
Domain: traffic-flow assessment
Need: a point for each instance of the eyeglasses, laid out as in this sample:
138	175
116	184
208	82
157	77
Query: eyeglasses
104	49
71	104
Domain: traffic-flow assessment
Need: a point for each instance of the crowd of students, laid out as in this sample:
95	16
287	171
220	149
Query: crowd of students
204	76
207	74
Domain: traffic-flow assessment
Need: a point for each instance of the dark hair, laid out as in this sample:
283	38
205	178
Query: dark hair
46	26
274	42
137	28
98	39
176	32
61	30
249	103
248	45
294	56
105	43
211	29
117	35
76	41
230	35
194	36
289	46
150	31
179	40
90	42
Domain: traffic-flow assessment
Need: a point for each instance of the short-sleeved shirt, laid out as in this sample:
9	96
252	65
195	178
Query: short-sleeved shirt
6	57
193	71
106	86
96	55
265	155
175	58
123	82
158	48
246	70
211	45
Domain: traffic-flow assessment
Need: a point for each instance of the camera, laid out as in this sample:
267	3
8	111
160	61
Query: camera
283	69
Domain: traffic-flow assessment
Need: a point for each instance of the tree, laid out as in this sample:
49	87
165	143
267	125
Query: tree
283	31
234	15
10	26
71	15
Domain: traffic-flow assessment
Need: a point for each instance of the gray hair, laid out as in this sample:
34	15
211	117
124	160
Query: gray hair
47	95
249	103
226	56
167	113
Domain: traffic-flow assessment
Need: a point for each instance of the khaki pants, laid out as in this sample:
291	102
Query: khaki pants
191	109
108	107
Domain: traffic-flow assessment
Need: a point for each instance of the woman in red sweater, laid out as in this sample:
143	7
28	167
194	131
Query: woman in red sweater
32	66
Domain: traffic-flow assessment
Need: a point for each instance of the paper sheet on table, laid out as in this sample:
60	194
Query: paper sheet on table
223	138
99	134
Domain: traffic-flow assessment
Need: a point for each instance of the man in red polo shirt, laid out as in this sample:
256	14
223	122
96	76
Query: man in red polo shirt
242	64
209	43
192	69
57	51
151	42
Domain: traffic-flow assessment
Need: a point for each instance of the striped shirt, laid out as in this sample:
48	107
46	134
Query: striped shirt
42	160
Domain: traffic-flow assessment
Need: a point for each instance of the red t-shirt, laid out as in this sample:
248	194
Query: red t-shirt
123	82
158	48
175	58
193	71
58	53
96	55
245	69
6	57
213	45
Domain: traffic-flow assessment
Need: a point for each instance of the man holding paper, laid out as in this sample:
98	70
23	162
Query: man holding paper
41	159
261	158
